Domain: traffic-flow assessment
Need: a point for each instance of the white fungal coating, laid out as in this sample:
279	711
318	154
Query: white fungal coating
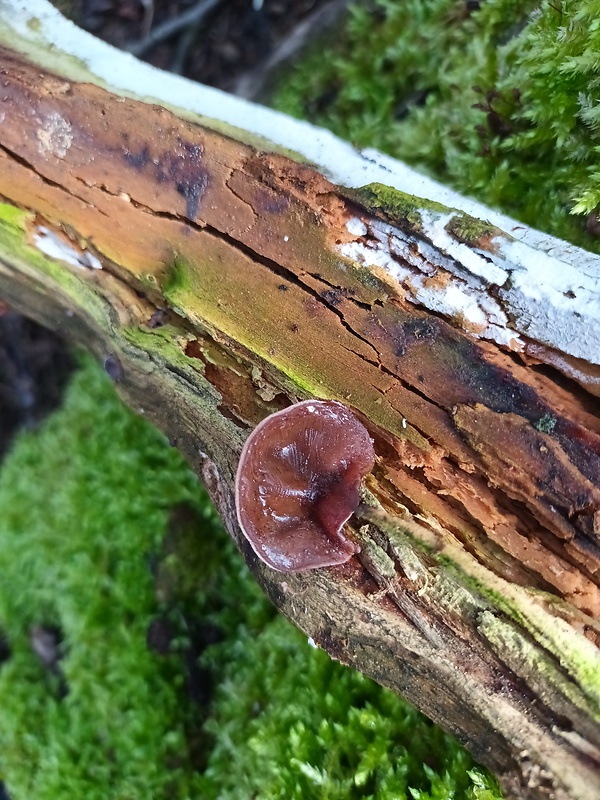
55	135
414	263
54	246
552	289
357	227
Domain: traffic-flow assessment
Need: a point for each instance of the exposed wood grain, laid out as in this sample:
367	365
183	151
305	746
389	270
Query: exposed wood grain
224	296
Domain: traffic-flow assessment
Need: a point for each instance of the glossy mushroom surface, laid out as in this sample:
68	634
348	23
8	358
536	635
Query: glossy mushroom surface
297	484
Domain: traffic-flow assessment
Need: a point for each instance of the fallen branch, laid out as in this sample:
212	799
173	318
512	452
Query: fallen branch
221	280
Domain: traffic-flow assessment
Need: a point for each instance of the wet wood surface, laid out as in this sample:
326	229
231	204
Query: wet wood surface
217	286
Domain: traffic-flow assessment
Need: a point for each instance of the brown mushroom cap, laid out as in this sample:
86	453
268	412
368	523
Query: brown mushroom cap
297	484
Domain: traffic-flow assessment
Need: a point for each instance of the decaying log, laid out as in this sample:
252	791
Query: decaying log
221	279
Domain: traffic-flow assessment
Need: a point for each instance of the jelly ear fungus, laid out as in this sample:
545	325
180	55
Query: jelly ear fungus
297	484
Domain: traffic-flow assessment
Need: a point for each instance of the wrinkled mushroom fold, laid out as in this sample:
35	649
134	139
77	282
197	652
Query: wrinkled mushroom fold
297	484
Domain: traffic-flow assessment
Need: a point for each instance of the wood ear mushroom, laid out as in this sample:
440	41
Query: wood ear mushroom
297	484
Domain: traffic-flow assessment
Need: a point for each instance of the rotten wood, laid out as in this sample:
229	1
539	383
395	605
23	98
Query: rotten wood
215	276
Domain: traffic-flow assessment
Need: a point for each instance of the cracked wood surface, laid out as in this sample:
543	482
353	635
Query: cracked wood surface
226	291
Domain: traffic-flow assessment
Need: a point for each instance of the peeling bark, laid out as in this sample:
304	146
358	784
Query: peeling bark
226	282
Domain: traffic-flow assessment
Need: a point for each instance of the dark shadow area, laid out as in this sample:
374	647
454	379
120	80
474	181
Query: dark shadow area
234	45
34	367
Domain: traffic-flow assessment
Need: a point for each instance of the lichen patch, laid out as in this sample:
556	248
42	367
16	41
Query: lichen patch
55	135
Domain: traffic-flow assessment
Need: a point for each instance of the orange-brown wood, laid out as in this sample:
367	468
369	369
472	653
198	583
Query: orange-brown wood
237	250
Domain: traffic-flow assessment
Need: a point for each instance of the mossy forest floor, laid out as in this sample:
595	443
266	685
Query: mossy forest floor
140	659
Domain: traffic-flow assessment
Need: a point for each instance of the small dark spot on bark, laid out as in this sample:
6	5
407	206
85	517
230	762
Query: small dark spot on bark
192	191
113	368
421	378
420	329
271	203
138	160
294	328
182	166
334	647
283	287
332	297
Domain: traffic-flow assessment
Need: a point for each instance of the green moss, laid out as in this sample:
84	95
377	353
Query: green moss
528	660
546	424
14	217
501	102
84	505
182	290
15	246
472	231
34	24
577	656
394	205
163	343
105	531
177	279
291	723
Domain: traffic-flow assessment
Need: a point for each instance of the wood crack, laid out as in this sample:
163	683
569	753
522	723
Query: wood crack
240	246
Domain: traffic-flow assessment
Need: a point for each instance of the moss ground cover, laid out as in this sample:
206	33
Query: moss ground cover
84	503
172	676
499	98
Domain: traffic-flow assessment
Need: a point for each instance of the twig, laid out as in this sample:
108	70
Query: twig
148	16
251	83
172	26
186	40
